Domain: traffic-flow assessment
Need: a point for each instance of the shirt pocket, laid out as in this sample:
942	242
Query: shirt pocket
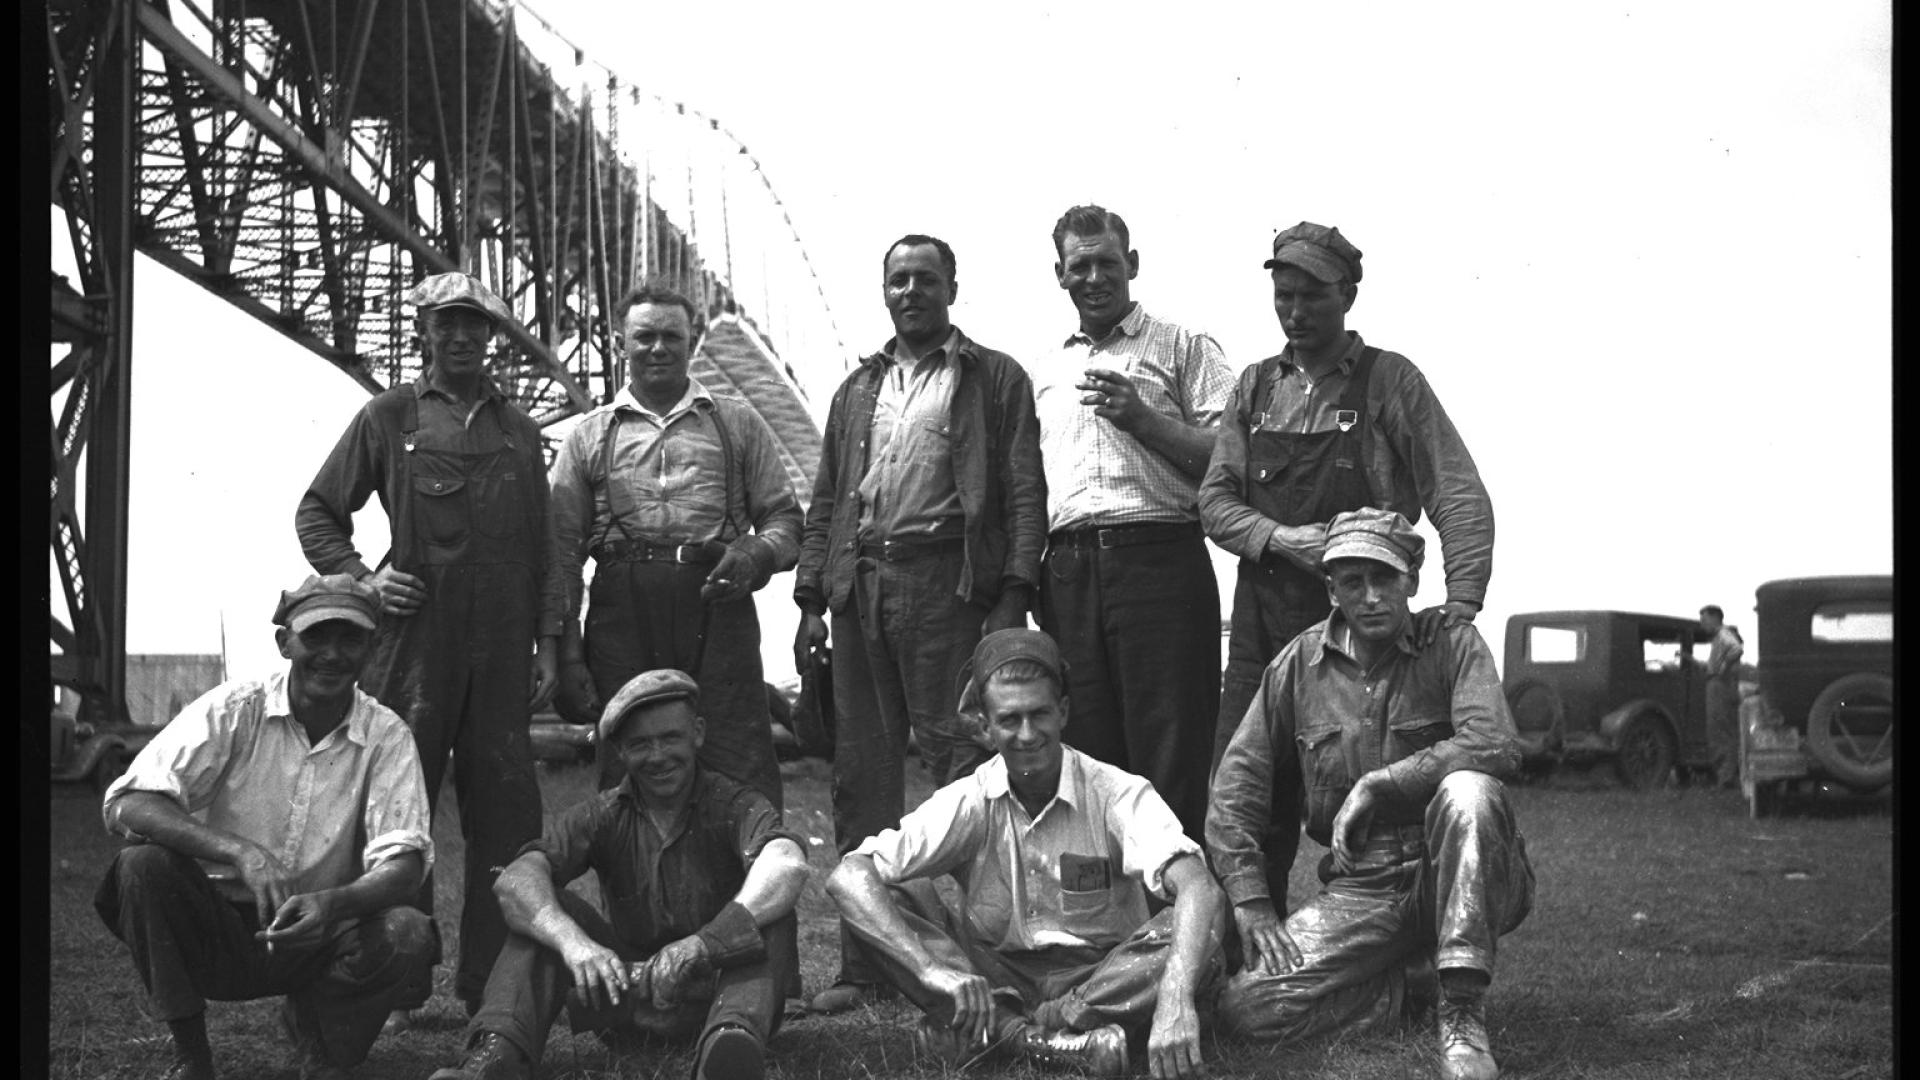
1325	766
1412	734
1086	882
441	516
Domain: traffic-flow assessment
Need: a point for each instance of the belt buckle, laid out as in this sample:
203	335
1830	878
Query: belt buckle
1102	539
886	550
680	554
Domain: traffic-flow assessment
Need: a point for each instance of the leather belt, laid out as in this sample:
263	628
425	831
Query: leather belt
912	547
641	551
1115	536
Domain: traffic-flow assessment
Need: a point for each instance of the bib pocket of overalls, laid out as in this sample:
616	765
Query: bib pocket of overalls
440	511
1267	459
1412	734
500	508
1085	883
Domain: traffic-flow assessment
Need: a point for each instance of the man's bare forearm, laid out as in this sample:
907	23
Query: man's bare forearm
865	904
530	903
1187	446
1199	919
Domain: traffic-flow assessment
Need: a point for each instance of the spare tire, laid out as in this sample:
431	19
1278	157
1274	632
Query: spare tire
1850	730
1538	716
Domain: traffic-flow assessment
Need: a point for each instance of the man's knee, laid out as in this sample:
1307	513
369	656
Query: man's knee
1269	1008
1468	797
139	875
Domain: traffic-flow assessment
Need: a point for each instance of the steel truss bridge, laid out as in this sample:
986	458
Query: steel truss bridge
309	160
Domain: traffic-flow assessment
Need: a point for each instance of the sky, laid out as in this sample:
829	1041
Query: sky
1641	253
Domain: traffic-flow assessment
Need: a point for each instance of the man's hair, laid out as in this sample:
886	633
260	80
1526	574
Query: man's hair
1089	220
917	240
1714	610
656	292
1012	673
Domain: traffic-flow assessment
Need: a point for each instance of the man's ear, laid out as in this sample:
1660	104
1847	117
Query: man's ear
1060	274
1350	292
1413	582
1133	265
699	731
283	637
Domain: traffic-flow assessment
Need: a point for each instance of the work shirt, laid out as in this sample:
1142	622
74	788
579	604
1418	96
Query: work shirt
1723	657
237	760
1076	874
1320	722
627	473
1098	475
1414	460
658	889
909	486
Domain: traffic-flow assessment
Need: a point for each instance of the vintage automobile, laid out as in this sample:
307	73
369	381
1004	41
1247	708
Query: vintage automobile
1617	686
1825	710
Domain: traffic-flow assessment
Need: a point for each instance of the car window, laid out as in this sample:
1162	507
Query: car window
1854	620
1660	654
1556	645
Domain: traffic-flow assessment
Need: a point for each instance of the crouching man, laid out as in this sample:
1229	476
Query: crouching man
701	879
1399	753
1054	956
280	827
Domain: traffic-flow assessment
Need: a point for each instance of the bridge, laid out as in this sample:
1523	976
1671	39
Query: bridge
309	160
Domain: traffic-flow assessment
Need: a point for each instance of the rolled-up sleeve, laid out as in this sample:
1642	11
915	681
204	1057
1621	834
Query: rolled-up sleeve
1150	836
568	840
396	818
1206	382
183	762
1484	738
1224	513
1258	782
771	505
939	836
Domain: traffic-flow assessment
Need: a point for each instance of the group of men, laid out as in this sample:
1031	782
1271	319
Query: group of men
959	491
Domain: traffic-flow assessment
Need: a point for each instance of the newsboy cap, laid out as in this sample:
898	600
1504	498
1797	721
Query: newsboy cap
1317	249
328	596
455	289
997	649
647	688
1380	535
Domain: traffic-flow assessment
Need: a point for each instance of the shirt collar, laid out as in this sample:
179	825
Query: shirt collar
1335	629
1134	322
278	704
423	386
994	783
958	346
891	353
696	392
1348	358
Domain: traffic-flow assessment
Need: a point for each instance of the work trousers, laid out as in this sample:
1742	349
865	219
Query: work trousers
459	673
643	616
1139	628
1086	986
899	645
530	985
1273	601
1448	888
191	944
1723	730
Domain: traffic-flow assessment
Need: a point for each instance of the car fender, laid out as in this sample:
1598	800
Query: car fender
1615	721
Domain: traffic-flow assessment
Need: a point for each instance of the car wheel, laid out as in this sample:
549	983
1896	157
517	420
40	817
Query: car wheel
1850	730
1538	717
1646	754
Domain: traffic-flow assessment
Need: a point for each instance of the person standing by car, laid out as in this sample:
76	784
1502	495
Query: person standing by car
1723	695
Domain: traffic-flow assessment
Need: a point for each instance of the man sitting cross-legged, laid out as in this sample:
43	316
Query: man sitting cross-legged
1054	955
700	879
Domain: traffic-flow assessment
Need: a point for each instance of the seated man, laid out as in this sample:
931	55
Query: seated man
701	879
280	827
1398	753
1056	852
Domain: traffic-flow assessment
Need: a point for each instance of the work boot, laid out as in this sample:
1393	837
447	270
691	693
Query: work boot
491	1057
1465	1051
1102	1051
731	1053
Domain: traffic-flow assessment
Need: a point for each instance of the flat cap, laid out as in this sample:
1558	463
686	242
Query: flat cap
647	688
995	650
455	289
1317	249
1380	535
328	596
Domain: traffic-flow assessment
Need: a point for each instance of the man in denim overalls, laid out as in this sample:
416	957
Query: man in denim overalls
459	471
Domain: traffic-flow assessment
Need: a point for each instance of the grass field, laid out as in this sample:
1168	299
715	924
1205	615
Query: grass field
1671	937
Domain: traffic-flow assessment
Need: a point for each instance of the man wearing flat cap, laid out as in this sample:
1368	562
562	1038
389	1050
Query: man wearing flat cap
1396	753
278	830
679	497
1329	424
459	471
700	878
1053	955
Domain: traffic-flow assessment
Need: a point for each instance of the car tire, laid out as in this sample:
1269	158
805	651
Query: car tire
1646	752
1539	718
1854	756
